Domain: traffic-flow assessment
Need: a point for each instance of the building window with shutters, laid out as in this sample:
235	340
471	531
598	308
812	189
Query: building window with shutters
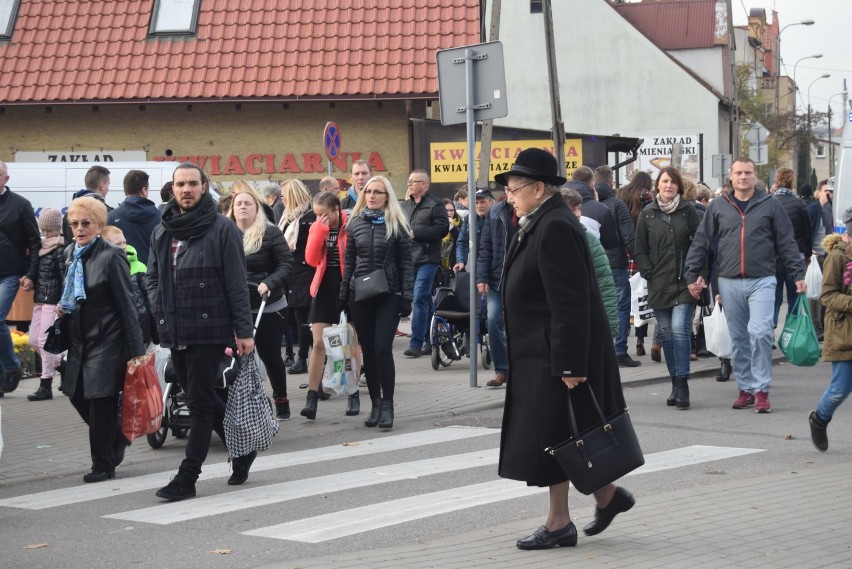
8	14
174	17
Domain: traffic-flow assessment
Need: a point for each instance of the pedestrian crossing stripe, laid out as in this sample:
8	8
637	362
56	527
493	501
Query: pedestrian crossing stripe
78	494
377	516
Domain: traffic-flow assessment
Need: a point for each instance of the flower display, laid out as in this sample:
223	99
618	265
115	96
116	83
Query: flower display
21	344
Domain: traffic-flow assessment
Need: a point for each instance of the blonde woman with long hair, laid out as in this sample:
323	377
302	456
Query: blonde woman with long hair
296	223
379	238
269	263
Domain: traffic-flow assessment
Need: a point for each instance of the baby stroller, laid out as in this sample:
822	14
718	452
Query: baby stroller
451	323
176	415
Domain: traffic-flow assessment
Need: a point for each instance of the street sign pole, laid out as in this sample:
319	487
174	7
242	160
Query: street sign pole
484	80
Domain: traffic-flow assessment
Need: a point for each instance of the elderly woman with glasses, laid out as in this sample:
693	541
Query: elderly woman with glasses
558	338
103	332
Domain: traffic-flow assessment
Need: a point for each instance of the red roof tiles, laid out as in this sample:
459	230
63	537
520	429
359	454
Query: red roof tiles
99	50
678	24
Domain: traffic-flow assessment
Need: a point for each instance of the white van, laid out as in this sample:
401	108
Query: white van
53	184
843	179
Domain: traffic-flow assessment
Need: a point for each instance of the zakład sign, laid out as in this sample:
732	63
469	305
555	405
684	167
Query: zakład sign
289	163
448	160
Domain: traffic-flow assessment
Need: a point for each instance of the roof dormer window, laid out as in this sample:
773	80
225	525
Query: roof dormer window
8	13
174	17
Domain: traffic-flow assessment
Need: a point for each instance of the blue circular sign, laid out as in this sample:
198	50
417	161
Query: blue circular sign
331	140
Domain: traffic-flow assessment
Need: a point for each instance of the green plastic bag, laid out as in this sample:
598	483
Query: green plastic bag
799	340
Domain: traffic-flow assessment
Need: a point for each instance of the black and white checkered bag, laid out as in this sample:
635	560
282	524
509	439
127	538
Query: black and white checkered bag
249	421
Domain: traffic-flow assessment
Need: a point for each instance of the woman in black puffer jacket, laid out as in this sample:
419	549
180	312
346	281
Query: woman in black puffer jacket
269	263
379	237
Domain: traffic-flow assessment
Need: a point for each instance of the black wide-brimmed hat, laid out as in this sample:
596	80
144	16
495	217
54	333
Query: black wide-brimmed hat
536	164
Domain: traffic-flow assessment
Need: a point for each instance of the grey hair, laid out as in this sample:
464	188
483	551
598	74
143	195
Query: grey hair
272	189
571	197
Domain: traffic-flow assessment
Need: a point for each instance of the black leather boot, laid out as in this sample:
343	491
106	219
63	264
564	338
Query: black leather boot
724	369
301	366
310	409
373	419
386	415
323	396
672	398
44	391
241	466
682	392
353	406
819	431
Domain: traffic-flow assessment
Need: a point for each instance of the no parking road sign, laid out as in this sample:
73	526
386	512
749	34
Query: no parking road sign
331	140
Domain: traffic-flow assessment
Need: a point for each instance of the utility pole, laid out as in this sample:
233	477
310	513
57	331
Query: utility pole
487	125
555	107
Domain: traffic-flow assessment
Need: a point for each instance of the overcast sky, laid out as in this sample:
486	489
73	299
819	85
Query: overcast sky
831	35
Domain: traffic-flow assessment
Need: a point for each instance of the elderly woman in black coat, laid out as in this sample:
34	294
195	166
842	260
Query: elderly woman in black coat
558	338
103	331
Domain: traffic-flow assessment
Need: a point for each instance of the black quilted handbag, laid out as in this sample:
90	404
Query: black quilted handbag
600	455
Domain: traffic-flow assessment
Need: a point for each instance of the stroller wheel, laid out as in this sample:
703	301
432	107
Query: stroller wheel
158	437
485	357
436	363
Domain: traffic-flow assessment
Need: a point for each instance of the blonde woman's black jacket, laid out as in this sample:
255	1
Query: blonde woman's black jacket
369	249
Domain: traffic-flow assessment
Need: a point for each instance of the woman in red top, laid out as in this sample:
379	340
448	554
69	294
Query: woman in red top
325	250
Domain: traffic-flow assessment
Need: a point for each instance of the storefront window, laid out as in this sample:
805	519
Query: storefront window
174	17
8	12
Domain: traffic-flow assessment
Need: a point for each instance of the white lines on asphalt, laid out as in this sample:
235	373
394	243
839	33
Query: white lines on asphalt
77	494
376	516
318	485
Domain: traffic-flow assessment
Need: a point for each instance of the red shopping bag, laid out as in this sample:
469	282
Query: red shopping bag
142	402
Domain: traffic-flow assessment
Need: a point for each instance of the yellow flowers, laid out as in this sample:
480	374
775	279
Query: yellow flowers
20	341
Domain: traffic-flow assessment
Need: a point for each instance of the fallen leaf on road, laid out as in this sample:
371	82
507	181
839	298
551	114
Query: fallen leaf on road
35	546
789	438
351	444
42	446
222	551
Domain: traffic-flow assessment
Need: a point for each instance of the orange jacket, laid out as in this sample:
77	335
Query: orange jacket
315	249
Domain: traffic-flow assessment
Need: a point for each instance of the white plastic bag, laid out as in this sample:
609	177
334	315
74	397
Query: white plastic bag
716	333
641	312
340	350
813	280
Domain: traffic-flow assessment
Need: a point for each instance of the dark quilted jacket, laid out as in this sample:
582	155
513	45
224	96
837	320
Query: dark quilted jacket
49	277
367	249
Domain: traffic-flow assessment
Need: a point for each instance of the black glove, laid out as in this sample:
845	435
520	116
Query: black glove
343	306
404	307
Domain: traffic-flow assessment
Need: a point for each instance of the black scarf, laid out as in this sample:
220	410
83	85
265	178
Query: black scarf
195	222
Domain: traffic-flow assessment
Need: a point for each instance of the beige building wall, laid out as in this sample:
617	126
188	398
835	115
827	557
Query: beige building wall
253	141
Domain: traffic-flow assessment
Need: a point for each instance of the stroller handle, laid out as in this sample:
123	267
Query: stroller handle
263	298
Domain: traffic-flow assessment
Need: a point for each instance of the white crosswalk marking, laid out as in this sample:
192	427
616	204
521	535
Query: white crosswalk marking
77	494
376	516
318	485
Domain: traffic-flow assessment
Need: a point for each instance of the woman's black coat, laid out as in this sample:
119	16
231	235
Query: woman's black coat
556	326
104	330
368	249
271	264
299	283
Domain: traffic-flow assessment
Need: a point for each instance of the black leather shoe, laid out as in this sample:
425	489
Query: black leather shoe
322	394
621	501
11	379
310	408
98	475
43	393
353	406
413	352
180	488
118	447
241	466
625	360
386	415
301	366
819	431
543	539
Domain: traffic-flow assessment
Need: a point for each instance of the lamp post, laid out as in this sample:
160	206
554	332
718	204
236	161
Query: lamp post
830	145
807	22
796	85
810	135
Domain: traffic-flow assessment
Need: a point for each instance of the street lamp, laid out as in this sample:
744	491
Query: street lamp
830	145
807	22
810	135
796	85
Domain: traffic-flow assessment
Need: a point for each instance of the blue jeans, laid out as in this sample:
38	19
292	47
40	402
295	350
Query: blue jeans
421	312
749	304
782	280
622	291
674	324
838	390
8	289
497	331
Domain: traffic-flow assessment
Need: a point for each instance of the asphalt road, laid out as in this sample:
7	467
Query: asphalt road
336	487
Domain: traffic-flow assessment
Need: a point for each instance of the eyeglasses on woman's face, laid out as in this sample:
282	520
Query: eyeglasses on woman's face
375	192
84	224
